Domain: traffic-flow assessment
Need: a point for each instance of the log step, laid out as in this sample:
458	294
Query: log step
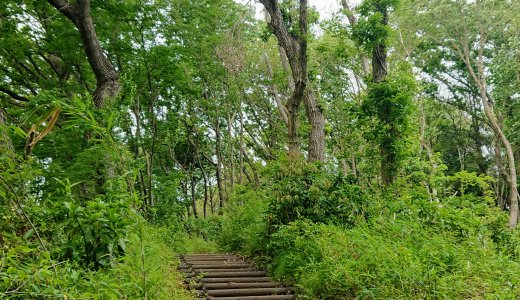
212	259
235	279
209	271
219	266
271	297
234	274
209	256
229	277
247	292
235	285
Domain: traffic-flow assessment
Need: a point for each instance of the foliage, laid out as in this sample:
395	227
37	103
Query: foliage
305	191
93	233
95	203
409	247
29	273
371	30
390	105
291	16
243	226
390	259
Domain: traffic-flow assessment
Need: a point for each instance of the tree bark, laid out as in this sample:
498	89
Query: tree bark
241	143
205	207
211	204
317	120
432	190
512	178
6	145
230	152
107	78
502	173
194	196
274	92
218	153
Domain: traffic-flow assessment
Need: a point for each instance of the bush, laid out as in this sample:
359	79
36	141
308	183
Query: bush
305	191
94	233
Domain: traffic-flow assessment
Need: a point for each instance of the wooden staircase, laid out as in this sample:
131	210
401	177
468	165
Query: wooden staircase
229	277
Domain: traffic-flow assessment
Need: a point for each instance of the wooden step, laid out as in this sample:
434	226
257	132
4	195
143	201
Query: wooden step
229	277
223	270
271	297
219	266
236	285
234	279
209	256
247	292
206	258
235	274
212	260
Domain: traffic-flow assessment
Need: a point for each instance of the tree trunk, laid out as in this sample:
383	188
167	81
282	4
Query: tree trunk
184	187
211	194
6	146
353	21
316	151
480	79
513	193
274	91
502	174
205	178
194	196
205	207
379	64
107	78
379	72
252	166
425	145
293	125
218	152
476	135
231	153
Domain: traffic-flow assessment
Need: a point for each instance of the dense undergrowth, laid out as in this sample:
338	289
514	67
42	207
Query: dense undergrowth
324	234
147	270
59	245
78	230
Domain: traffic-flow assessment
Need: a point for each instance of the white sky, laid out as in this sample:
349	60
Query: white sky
324	7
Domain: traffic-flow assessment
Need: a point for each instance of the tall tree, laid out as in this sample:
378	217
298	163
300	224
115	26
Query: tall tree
386	99
294	43
473	38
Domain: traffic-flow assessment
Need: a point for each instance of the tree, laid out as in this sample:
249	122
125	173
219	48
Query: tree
470	35
387	99
294	43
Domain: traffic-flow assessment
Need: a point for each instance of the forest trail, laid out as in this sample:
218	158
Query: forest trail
230	277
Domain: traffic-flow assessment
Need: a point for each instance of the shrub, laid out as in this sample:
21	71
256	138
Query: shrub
305	191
